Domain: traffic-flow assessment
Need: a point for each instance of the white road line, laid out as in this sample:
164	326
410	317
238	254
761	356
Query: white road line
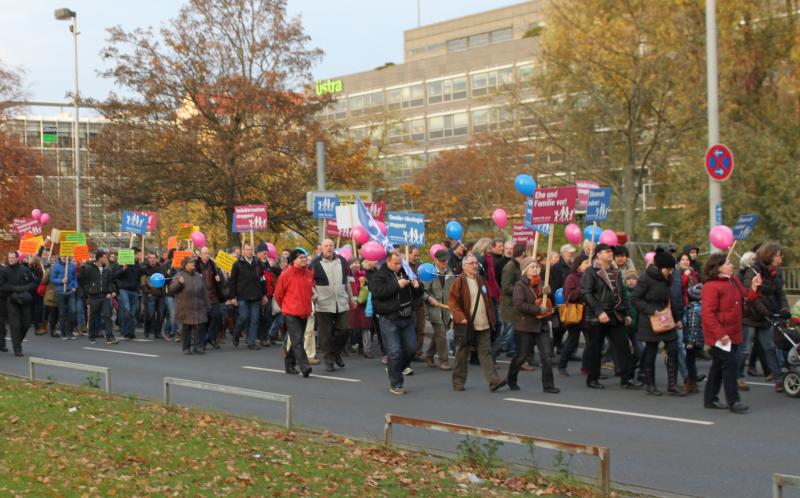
765	384
613	412
328	377
122	352
142	340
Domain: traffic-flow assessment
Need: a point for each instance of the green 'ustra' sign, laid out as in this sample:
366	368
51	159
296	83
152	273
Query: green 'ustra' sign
329	86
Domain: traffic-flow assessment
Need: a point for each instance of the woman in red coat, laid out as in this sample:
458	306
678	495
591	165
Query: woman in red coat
293	294
722	301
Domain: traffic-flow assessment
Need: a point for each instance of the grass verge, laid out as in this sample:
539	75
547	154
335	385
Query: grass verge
58	440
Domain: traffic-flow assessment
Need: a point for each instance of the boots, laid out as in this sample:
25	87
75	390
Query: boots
650	380
691	387
672	377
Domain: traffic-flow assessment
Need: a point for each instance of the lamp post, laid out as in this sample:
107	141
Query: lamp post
655	230
71	15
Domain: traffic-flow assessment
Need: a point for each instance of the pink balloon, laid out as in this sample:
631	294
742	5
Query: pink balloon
373	251
573	233
721	237
382	226
199	239
271	251
608	237
434	249
346	253
44	219
648	257
360	235
36	214
500	218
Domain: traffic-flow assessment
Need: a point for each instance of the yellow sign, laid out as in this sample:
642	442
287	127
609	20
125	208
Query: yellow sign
67	249
177	257
225	261
31	245
185	231
351	198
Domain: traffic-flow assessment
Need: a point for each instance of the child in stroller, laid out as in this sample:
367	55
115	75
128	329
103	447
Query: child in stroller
787	339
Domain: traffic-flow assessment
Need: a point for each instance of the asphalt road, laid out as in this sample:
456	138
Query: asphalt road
665	444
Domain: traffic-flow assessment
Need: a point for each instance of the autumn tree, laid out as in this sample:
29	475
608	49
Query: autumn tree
217	113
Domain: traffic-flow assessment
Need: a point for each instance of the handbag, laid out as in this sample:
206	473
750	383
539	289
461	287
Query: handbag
465	331
661	321
41	289
570	313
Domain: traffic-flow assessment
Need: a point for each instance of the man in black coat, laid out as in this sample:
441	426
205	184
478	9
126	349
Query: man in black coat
247	295
17	284
96	280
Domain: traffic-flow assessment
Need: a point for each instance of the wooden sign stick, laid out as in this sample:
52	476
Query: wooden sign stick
591	247
130	243
535	243
66	273
547	265
730	251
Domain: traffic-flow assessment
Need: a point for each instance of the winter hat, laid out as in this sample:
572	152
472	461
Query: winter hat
694	292
629	274
441	255
525	263
602	247
262	247
295	253
747	260
185	261
663	260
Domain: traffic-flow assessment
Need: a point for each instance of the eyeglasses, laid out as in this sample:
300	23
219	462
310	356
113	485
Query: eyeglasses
470	263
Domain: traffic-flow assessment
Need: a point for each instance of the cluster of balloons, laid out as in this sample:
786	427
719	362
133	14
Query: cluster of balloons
574	235
721	237
39	216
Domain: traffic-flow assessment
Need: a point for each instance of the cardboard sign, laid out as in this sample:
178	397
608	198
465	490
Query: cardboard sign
172	243
55	235
325	207
76	237
346	216
185	232
541	228
406	228
67	249
134	222
553	206
377	210
81	253
152	217
584	186
599	202
744	226
333	230
22	225
250	218
178	256
30	246
522	234
225	261
124	257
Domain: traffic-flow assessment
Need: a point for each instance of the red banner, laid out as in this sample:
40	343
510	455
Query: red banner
522	235
152	220
553	206
23	225
250	218
584	186
377	210
332	230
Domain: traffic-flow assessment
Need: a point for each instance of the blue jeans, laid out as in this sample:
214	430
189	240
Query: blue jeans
66	312
128	304
506	337
170	326
249	312
764	337
400	342
277	321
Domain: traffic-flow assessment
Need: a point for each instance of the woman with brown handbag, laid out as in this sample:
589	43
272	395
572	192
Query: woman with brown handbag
573	298
657	319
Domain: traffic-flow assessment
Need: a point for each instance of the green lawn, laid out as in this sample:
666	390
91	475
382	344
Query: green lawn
59	440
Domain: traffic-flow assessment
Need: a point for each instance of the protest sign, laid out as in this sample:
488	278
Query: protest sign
744	226
134	222
76	237
172	242
177	257
23	225
333	230
599	202
124	257
81	253
553	205
67	249
377	210
346	216
250	218
152	220
30	246
406	228
325	207
225	261
584	186
185	231
522	234
541	228
55	235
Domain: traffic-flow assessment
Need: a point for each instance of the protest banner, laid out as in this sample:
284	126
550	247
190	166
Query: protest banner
333	230
377	210
598	204
177	257
346	216
185	232
521	234
250	218
23	225
325	207
553	206
124	256
134	222
172	242
77	237
30	246
744	226
406	228
584	186
81	253
55	235
225	261
67	249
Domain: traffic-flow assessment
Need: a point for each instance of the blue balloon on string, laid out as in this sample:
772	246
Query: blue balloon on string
426	272
157	280
592	233
525	184
454	230
559	297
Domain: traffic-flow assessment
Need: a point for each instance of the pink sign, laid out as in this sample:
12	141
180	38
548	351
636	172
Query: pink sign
553	206
584	186
522	235
377	210
25	225
332	230
250	218
152	220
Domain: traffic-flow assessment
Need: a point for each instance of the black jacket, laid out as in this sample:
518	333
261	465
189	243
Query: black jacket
95	283
387	296
245	281
16	278
558	274
147	271
128	277
599	297
499	263
771	296
651	294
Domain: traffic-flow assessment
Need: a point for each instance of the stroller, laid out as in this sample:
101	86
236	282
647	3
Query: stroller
787	339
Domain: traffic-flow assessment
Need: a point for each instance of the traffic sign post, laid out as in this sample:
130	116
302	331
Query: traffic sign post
719	162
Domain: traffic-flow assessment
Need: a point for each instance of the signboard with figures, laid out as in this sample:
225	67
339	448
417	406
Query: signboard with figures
553	206
250	218
598	204
325	207
406	228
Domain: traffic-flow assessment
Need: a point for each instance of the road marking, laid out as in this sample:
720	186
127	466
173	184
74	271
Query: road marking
142	340
613	412
275	370
765	384
122	352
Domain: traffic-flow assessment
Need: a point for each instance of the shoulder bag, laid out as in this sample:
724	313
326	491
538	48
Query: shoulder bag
661	321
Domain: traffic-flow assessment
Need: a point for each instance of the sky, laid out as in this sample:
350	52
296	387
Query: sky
356	35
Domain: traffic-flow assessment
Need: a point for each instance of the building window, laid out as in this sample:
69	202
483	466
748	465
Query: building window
368	102
502	35
447	90
483	83
412	130
406	97
479	40
449	125
457	45
525	72
496	119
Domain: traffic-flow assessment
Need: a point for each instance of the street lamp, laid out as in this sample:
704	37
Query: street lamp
655	230
71	15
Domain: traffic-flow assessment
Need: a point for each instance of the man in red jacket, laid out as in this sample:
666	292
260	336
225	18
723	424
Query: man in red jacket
293	295
722	302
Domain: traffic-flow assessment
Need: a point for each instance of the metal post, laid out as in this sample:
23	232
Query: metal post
321	181
32	369
387	431
289	414
714	188
166	392
77	153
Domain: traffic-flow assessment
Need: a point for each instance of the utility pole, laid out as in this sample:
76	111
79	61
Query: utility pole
321	181
714	187
71	15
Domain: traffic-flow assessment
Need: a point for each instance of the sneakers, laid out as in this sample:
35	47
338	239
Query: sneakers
112	341
408	371
397	390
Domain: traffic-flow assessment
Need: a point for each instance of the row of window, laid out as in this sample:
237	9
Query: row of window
42	134
434	92
479	40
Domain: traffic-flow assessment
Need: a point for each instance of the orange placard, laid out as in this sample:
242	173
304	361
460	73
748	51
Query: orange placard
178	256
81	253
30	246
172	243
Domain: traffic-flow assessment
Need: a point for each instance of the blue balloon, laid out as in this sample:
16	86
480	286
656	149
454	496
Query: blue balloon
157	280
559	297
525	184
587	233
426	272
454	230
